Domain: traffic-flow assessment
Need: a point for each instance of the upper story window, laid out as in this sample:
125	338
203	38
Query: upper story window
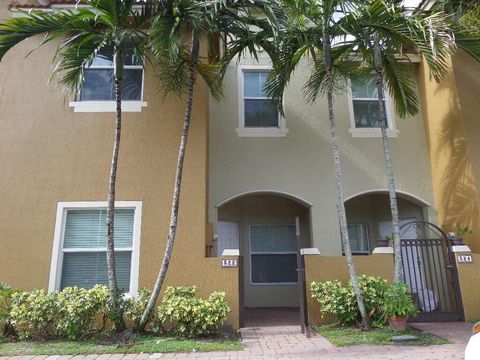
99	82
364	111
257	116
98	92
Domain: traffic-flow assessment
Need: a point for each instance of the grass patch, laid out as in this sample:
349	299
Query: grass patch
348	336
141	344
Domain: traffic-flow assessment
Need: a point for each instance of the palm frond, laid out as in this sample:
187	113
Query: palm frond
401	85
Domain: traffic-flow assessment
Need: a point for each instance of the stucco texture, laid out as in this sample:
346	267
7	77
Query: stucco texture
468	275
50	154
301	165
450	110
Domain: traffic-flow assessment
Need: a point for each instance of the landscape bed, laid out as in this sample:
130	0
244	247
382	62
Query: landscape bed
347	336
140	344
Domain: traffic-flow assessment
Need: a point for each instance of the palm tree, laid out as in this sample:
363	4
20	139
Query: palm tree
84	32
315	30
385	47
179	63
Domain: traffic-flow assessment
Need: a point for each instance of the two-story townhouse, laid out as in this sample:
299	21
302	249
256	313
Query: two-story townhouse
266	170
249	175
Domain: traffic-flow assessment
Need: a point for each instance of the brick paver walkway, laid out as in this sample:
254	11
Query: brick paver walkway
265	338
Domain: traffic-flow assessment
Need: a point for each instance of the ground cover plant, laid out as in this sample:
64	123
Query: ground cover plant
106	345
79	321
347	336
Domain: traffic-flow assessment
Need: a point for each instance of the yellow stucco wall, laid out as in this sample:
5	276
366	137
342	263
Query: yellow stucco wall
323	268
450	112
49	154
468	275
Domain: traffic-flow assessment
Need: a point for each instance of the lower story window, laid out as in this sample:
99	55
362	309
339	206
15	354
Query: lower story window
273	254
359	240
79	254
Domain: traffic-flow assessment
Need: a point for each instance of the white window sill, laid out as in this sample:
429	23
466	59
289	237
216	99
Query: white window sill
371	132
262	132
106	106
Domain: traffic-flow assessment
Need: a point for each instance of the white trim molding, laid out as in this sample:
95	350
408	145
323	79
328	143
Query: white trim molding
309	251
59	234
461	248
106	106
392	130
231	252
242	131
383	250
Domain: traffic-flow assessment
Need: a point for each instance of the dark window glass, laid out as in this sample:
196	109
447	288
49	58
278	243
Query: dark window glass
100	85
274	268
260	113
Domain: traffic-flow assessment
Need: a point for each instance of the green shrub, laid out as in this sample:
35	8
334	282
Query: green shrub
70	313
78	309
6	326
35	314
135	306
398	301
340	301
183	313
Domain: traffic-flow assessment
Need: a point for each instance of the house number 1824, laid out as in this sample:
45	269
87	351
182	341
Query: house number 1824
465	258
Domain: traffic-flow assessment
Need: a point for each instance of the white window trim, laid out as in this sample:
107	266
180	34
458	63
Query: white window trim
250	253
59	235
242	131
106	106
367	252
392	130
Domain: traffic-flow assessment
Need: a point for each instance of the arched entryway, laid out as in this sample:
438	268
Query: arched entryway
262	225
369	217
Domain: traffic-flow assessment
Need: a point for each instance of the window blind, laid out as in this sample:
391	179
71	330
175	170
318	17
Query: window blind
84	255
277	238
273	254
86	269
88	229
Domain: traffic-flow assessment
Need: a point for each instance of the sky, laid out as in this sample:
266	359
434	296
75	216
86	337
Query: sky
411	3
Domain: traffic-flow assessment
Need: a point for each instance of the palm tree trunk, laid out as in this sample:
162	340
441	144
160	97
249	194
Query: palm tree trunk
178	183
112	279
388	163
338	181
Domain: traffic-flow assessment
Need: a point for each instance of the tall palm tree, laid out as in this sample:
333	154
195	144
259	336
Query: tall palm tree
83	33
385	47
179	63
315	31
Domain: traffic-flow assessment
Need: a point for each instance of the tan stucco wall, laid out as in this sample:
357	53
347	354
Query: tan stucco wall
301	163
265	209
49	154
323	268
450	110
468	275
374	208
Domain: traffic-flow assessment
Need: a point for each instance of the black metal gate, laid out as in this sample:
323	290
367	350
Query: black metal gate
429	270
